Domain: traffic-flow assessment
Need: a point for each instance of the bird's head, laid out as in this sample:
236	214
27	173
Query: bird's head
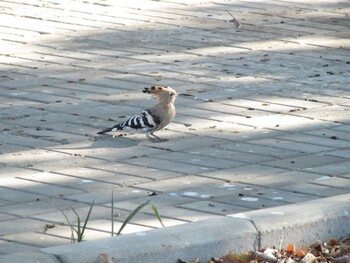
162	92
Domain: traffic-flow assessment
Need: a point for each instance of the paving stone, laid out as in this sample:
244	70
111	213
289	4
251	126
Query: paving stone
280	179
10	148
184	214
5	217
88	175
135	170
27	209
215	192
8	171
56	216
106	226
5	202
257	151
335	113
13	113
331	134
317	140
20	225
333	182
17	195
36	239
170	165
8	247
22	139
102	196
215	208
199	160
303	162
49	122
187	143
283	196
110	149
160	200
332	169
231	154
344	128
61	137
248	174
250	202
314	189
38	188
341	153
86	185
181	183
30	156
291	145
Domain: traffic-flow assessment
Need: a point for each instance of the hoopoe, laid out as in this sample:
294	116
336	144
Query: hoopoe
152	119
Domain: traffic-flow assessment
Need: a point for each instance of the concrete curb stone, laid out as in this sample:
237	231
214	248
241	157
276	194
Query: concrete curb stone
302	223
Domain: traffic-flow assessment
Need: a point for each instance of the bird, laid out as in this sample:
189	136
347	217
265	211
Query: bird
152	119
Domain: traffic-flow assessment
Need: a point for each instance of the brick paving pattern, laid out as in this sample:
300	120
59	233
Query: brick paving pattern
262	112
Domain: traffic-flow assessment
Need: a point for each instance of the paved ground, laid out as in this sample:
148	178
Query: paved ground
263	111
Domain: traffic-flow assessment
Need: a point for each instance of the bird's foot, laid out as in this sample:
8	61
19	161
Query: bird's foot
155	138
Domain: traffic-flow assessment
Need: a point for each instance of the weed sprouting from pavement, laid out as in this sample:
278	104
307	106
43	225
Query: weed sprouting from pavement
78	230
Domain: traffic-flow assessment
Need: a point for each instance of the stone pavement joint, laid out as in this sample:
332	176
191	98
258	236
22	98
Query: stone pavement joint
262	113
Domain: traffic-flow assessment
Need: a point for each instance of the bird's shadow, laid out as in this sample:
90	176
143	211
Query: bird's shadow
110	141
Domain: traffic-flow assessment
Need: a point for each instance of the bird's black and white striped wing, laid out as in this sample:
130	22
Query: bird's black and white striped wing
145	122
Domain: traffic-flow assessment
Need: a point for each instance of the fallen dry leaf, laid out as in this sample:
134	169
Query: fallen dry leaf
333	251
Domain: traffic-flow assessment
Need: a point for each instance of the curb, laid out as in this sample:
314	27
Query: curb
300	223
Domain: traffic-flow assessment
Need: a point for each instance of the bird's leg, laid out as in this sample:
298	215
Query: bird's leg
154	137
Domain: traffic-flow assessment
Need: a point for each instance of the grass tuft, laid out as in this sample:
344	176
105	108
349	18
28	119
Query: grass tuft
78	231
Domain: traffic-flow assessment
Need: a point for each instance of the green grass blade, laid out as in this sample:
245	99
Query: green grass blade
72	228
132	214
112	214
78	229
155	210
86	220
68	222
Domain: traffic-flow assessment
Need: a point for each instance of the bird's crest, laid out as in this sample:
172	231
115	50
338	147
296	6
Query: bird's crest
160	90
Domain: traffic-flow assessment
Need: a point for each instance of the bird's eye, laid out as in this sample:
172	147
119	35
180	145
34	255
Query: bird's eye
172	94
159	88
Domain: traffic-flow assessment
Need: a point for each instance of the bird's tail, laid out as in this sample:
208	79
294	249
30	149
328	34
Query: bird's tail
105	131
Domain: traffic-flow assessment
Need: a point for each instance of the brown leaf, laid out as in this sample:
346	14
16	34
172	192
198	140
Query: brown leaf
290	248
333	242
300	252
